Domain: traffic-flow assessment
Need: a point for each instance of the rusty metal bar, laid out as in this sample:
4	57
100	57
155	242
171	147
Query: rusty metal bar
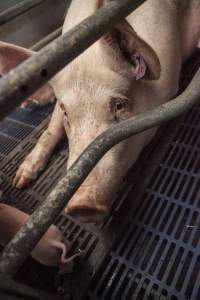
16	10
28	236
38	69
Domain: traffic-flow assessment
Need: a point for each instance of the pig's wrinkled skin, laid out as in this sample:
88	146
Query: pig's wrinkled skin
132	69
51	250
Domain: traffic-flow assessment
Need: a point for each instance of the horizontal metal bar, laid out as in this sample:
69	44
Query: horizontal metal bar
28	236
10	287
15	10
38	69
47	39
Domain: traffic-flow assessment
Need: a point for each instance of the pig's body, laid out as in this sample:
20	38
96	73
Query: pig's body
51	250
126	72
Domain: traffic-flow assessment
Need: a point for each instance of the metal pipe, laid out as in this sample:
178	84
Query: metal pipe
47	39
38	69
50	37
15	10
28	236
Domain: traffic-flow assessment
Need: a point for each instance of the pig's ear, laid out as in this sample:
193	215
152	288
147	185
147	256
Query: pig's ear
142	57
10	57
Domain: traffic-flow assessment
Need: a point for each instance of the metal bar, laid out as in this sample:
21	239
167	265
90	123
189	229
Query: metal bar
10	287
52	36
38	69
28	236
15	10
47	39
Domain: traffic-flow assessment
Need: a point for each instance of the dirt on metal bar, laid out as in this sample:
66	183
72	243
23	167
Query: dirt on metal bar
21	82
28	236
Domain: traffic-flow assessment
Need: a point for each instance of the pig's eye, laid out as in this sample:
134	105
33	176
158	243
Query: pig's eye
120	105
119	108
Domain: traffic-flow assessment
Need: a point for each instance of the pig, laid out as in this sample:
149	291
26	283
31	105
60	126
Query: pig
51	250
131	69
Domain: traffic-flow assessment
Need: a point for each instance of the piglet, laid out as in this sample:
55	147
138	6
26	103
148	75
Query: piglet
51	250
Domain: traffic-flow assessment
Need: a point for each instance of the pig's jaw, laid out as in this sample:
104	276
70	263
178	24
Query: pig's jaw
87	214
93	200
91	204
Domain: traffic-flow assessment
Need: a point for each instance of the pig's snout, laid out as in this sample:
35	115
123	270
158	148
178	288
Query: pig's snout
89	205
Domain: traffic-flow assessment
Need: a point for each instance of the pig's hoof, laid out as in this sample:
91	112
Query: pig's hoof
21	182
24	175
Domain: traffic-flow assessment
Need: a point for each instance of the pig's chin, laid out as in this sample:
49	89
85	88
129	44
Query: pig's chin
86	214
90	206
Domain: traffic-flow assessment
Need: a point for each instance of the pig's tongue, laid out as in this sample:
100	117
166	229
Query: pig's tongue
140	66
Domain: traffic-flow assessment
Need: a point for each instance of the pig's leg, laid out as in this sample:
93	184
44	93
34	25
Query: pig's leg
39	156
